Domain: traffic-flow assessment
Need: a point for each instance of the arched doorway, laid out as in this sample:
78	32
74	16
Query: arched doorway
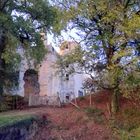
31	86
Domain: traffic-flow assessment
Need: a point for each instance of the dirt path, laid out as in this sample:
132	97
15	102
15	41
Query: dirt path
29	111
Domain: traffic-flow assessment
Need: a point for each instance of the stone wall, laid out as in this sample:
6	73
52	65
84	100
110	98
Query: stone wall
35	100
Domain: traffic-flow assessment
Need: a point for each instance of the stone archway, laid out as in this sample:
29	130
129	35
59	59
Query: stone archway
31	86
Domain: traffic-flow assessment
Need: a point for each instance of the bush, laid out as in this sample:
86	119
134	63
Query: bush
81	98
130	119
10	102
96	114
3	107
5	103
127	124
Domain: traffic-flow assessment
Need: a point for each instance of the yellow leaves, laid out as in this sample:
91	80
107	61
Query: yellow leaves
130	87
122	53
75	56
134	22
111	76
131	26
113	14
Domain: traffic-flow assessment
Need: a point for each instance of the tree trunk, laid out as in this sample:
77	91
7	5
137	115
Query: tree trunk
1	76
2	64
1	86
115	101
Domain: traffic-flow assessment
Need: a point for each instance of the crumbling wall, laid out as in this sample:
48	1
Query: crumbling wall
31	86
35	100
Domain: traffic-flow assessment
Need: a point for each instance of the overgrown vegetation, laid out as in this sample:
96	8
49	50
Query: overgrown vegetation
108	52
21	25
95	114
109	48
126	125
8	102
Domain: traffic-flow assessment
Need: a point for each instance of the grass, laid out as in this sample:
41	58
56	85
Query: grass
9	120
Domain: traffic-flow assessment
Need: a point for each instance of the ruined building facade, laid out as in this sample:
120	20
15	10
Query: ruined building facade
46	85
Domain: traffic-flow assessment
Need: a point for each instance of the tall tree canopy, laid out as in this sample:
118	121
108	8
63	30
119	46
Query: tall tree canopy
21	22
110	30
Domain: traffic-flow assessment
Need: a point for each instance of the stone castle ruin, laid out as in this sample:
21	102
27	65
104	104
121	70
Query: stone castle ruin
44	86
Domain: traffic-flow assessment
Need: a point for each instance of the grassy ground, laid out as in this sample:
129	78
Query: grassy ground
87	123
11	117
8	120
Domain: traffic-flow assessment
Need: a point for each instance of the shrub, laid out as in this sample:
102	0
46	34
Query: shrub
131	119
9	102
81	98
127	124
5	103
96	114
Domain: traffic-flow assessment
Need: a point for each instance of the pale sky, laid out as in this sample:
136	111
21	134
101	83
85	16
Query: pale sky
70	35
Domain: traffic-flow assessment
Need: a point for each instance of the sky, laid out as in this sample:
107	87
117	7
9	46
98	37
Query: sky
69	35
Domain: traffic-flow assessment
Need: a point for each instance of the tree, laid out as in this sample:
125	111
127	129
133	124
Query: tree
110	32
21	22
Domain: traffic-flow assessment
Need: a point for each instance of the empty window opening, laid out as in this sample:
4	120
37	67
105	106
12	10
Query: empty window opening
67	77
67	47
67	66
67	97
